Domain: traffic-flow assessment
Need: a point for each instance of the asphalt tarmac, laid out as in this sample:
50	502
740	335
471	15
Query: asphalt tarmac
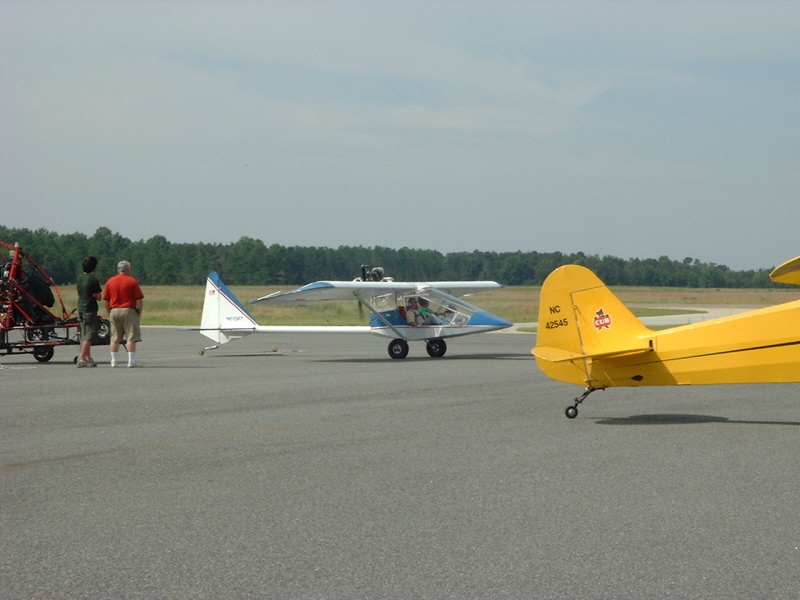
313	466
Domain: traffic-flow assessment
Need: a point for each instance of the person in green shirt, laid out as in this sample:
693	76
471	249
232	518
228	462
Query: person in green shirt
89	292
428	315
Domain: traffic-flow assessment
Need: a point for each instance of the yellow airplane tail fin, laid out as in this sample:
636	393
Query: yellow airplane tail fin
580	319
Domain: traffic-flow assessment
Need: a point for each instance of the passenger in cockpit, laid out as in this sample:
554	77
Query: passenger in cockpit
429	317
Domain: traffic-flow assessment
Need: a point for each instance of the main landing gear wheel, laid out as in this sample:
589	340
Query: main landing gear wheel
436	347
398	348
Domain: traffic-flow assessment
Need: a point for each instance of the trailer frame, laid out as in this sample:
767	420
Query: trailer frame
31	322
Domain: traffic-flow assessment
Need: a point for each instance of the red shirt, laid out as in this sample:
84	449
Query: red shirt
122	291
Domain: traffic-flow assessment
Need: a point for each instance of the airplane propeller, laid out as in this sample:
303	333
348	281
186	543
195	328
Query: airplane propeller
368	273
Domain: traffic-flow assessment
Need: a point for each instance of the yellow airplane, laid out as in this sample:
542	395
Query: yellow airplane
588	337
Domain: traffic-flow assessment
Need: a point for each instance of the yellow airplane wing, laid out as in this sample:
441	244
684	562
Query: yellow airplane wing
788	272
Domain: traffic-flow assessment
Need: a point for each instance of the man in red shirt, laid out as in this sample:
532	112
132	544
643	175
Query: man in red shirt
123	299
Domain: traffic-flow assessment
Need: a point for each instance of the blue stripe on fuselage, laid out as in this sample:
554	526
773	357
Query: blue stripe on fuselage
393	316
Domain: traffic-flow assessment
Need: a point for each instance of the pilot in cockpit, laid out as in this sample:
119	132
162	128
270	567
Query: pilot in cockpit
413	315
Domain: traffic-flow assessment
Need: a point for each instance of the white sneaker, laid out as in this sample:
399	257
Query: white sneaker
132	364
113	363
82	364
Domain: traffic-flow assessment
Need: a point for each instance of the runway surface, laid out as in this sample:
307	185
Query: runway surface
313	466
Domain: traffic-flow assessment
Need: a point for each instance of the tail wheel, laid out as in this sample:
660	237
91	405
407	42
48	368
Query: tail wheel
43	353
572	411
436	347
398	348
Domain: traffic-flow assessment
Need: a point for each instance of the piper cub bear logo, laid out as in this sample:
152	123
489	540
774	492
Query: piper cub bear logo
602	320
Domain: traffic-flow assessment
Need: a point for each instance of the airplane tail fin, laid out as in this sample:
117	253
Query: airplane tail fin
224	317
580	320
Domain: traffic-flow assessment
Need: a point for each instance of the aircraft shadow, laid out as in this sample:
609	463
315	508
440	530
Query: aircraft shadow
682	420
386	359
243	354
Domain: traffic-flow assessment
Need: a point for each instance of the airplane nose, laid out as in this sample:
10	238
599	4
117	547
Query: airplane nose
487	319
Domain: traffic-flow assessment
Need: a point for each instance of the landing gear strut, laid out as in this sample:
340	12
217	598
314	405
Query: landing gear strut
572	411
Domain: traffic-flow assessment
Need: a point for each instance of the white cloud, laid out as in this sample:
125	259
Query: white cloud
342	107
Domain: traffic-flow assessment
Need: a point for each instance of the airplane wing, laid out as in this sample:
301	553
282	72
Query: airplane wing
321	291
788	272
463	288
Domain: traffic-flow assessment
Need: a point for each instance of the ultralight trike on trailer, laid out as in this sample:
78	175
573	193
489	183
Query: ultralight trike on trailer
29	323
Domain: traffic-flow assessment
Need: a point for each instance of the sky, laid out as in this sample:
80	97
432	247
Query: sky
630	129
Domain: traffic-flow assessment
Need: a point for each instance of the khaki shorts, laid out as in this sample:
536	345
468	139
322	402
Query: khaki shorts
124	321
89	325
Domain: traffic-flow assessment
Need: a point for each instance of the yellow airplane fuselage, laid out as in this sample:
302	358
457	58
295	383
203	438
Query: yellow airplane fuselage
588	337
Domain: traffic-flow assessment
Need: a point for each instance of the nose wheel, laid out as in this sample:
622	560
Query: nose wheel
572	411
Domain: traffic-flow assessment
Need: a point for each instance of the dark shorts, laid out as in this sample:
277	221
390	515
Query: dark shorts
89	325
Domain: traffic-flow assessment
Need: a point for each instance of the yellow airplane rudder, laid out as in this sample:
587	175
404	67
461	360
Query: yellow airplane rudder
581	319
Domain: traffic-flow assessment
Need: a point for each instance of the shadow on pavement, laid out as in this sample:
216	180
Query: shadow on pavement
681	420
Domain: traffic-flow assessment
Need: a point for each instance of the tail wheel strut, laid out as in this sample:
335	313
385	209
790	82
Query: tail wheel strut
572	411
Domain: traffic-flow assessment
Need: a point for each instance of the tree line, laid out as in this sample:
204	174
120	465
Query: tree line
249	261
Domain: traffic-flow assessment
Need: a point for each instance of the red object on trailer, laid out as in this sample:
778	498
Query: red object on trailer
30	321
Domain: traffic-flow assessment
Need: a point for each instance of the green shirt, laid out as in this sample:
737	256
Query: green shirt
88	285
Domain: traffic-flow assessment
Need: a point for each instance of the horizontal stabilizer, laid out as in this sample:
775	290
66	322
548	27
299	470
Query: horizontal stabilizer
788	272
280	329
560	355
243	330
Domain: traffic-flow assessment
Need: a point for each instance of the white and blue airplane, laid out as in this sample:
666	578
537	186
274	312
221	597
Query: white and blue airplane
394	307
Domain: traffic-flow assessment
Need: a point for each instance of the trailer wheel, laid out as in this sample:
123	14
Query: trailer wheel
103	330
39	334
43	353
